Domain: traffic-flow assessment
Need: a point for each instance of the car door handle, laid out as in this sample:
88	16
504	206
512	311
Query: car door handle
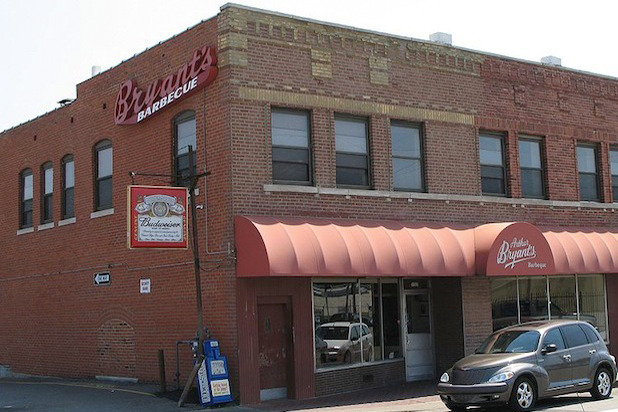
567	358
592	351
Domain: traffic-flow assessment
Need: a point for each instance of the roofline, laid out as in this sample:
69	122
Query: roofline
399	37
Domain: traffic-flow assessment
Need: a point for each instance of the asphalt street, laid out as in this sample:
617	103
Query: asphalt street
69	396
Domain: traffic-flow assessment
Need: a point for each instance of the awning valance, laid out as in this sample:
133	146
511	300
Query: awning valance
269	246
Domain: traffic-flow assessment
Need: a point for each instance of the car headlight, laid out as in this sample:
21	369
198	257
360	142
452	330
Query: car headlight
501	377
444	378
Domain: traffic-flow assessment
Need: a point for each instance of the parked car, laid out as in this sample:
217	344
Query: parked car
520	364
344	341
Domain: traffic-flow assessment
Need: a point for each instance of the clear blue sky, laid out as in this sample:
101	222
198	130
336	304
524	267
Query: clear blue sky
48	46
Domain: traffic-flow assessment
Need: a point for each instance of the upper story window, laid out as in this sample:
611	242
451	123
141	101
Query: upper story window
613	159
68	184
407	157
26	187
352	145
47	189
493	171
104	170
184	138
291	146
531	165
588	172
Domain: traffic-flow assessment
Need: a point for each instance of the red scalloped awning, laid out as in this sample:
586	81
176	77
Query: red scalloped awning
268	246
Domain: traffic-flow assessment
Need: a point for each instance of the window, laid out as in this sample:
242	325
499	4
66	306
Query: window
184	137
348	322
291	147
587	168
554	337
531	165
407	157
47	189
574	335
590	333
351	141
613	159
493	176
525	299
68	184
104	170
26	194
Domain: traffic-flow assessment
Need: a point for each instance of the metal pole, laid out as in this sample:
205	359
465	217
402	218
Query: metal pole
162	382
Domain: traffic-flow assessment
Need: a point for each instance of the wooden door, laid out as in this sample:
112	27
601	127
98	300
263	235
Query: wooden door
275	356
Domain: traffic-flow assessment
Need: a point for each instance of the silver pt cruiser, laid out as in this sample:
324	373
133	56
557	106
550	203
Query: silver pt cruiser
520	364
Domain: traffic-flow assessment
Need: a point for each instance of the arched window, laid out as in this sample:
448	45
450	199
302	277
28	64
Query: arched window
184	137
26	187
68	184
103	172
47	192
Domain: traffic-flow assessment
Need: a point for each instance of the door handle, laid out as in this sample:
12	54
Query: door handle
592	351
567	358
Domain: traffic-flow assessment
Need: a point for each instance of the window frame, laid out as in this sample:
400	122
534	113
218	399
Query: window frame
502	138
99	147
613	176
367	155
540	141
309	148
421	159
47	198
180	118
66	160
23	211
595	148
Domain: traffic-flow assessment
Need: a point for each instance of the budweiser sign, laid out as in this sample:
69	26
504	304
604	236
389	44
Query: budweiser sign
517	251
134	105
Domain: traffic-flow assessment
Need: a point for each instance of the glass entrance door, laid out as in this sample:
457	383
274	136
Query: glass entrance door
420	357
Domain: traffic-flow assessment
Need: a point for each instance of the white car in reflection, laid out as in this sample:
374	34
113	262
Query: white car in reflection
345	342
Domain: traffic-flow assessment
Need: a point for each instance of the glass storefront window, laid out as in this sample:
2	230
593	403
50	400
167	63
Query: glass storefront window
348	319
592	306
555	297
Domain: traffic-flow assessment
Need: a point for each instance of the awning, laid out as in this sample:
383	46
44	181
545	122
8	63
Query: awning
269	246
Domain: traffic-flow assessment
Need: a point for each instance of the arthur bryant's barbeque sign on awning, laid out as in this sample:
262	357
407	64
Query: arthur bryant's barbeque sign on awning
157	217
134	105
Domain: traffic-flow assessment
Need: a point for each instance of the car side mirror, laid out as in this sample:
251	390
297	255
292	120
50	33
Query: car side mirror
549	349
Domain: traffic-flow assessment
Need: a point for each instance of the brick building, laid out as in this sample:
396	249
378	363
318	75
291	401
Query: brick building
376	205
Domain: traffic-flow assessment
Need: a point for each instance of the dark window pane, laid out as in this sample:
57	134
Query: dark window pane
554	337
350	160
406	141
352	177
613	159
407	174
26	220
491	150
615	188
492	186
533	299
574	335
590	333
47	208
296	172
588	187
586	159
493	172
290	155
68	204
532	183
104	194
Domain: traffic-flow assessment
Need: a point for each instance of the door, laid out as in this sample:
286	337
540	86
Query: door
420	363
558	363
274	337
581	353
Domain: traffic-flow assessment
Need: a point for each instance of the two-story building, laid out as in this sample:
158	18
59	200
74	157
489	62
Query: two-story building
376	206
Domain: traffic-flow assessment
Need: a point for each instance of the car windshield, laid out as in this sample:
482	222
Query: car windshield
511	341
332	332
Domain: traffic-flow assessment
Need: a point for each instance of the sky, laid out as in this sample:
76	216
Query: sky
47	47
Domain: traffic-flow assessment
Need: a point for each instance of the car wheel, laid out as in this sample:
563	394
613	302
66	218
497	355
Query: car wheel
523	395
602	387
347	358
